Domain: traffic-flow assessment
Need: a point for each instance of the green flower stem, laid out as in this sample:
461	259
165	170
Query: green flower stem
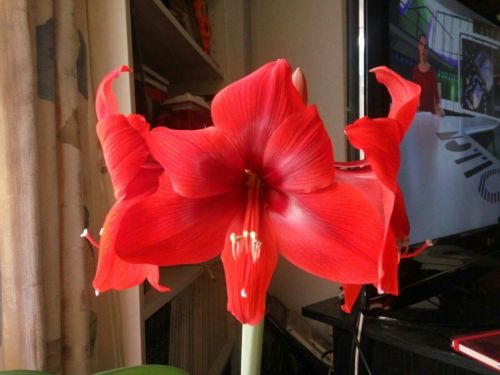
251	348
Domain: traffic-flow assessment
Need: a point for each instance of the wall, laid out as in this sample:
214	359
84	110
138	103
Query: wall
119	334
309	34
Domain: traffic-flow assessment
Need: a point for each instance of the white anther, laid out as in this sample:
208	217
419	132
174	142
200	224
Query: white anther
97	293
234	245
101	231
243	293
245	233
256	245
84	233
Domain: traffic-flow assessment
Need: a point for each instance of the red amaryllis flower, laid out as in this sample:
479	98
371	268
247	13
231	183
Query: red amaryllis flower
134	174
377	176
260	182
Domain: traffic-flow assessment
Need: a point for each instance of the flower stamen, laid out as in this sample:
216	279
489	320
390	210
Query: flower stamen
85	234
418	251
247	246
255	248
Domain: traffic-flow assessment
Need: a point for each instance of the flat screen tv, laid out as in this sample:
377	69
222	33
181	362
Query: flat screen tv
450	169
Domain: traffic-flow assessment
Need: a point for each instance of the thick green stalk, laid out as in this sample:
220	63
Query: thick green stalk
251	348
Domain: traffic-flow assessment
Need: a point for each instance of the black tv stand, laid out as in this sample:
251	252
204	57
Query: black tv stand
448	291
448	287
393	349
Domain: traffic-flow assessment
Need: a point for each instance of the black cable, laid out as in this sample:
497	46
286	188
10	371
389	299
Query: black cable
351	359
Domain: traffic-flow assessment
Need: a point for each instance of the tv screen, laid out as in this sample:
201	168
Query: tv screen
450	171
450	158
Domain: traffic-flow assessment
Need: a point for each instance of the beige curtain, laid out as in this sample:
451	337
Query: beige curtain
48	169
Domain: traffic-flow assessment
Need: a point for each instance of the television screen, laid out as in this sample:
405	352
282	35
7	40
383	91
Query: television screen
450	171
479	93
450	159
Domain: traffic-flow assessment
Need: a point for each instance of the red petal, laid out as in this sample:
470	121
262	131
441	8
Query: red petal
145	181
365	181
200	163
399	221
167	229
382	199
248	281
335	234
105	101
351	293
388	266
139	123
379	139
299	154
153	276
113	272
253	107
405	96
124	149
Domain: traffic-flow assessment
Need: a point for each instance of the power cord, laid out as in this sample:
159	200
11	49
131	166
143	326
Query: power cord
356	336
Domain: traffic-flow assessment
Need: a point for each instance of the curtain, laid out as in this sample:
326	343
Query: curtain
50	188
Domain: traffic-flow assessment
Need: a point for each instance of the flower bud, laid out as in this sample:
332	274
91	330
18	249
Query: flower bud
299	81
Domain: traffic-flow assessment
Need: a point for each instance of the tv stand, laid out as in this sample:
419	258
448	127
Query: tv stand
393	349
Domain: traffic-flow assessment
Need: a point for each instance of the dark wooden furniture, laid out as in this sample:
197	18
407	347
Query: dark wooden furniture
393	347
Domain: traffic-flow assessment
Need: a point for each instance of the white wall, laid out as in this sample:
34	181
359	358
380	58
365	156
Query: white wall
309	34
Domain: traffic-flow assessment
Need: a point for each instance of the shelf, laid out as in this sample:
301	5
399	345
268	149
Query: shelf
167	47
177	279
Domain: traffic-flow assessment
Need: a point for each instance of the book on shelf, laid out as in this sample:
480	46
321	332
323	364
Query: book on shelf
482	346
155	85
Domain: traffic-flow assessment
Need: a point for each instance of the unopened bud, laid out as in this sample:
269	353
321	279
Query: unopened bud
300	83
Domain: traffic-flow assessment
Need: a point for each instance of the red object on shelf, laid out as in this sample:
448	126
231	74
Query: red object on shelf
201	14
155	93
483	347
185	112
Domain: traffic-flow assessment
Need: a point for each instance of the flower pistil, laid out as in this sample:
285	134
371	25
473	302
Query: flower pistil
248	244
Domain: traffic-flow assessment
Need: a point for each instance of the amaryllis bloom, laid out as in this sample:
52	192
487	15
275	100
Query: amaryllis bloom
259	183
377	176
134	174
